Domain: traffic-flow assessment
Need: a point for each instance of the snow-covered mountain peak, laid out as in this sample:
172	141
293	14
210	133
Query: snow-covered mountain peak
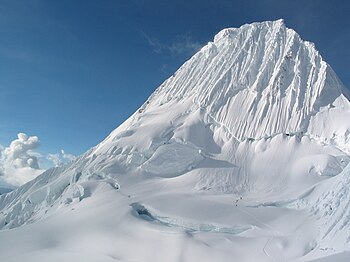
248	128
257	84
258	80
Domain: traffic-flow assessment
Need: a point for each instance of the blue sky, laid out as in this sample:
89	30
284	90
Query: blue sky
72	71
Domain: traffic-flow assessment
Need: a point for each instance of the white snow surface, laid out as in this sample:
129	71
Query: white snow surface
243	154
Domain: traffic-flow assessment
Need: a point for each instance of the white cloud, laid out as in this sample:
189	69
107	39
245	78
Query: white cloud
155	44
55	159
61	158
183	45
20	162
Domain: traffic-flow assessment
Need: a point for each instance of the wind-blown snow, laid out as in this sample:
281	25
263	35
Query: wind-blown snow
241	153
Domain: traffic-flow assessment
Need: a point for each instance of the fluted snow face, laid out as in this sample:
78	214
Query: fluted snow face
257	80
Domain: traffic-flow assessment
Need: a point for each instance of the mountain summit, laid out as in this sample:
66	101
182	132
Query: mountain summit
257	80
237	151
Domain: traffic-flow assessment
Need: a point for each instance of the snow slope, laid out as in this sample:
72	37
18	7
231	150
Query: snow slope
240	154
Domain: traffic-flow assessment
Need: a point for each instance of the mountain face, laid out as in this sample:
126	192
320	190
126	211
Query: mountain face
246	147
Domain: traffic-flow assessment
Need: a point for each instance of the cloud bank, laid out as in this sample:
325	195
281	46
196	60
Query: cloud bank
20	162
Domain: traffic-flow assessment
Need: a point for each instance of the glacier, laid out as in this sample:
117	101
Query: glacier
242	154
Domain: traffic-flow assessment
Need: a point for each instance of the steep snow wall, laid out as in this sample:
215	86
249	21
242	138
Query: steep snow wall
259	80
